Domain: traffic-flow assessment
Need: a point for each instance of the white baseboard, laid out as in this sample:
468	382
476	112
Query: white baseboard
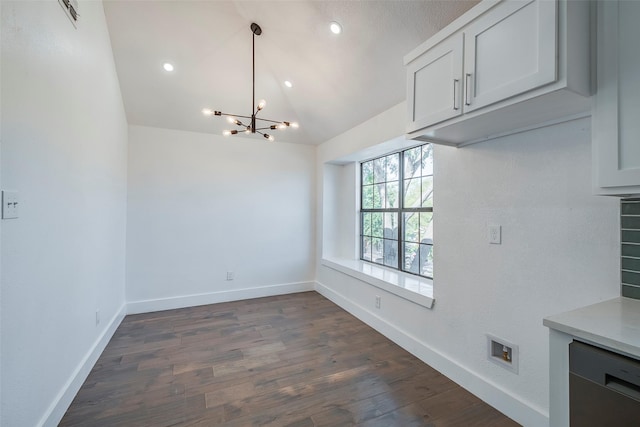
61	403
483	388
147	306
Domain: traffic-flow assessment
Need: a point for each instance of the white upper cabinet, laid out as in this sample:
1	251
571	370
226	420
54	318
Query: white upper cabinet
438	73
510	50
524	64
616	116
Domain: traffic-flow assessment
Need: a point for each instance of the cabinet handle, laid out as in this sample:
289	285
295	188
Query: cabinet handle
629	389
467	84
456	82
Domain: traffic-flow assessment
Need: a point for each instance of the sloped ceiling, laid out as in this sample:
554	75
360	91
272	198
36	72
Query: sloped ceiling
339	80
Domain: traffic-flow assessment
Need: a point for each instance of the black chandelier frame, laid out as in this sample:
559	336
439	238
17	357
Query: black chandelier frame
253	126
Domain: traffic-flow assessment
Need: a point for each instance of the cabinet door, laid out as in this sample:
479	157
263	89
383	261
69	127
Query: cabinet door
510	50
435	84
616	119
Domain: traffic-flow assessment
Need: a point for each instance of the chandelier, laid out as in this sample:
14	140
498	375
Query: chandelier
255	124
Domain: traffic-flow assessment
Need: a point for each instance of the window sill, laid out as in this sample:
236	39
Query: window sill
418	290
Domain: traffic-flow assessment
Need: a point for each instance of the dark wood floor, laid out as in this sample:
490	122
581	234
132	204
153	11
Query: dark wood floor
292	360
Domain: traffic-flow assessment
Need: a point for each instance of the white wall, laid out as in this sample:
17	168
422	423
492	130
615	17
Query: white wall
1	226
200	205
339	211
64	137
560	251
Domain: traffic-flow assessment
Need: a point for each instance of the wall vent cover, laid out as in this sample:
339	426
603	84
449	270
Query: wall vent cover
70	7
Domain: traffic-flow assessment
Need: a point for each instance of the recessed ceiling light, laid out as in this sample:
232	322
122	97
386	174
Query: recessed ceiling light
167	66
335	27
287	83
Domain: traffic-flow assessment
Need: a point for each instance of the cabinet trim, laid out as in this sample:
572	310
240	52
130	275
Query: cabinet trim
450	29
608	175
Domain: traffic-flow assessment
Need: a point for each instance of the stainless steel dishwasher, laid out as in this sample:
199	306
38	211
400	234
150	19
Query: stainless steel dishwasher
604	388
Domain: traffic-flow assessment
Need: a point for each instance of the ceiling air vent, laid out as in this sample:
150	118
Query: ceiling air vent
71	9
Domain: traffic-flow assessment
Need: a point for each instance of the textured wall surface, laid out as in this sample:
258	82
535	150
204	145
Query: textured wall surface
64	149
201	205
559	251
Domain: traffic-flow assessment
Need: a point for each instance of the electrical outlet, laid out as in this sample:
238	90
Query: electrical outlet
378	301
97	317
495	234
230	275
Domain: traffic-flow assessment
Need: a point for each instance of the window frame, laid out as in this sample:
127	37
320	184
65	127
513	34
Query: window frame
399	211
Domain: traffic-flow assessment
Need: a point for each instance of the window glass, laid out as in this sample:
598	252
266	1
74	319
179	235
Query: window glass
397	210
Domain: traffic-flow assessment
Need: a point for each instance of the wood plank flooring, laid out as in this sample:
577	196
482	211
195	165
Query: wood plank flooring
291	360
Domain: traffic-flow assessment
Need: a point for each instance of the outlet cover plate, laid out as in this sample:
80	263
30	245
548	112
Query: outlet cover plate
495	234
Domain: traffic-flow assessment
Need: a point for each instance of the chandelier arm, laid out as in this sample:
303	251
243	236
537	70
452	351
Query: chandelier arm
234	115
270	121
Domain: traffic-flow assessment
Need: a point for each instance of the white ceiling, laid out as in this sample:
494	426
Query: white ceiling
339	81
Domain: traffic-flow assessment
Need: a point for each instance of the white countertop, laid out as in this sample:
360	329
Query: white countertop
614	324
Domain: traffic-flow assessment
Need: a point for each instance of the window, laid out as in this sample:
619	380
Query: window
396	210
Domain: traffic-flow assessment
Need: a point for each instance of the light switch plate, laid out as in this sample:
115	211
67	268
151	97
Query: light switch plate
495	234
10	205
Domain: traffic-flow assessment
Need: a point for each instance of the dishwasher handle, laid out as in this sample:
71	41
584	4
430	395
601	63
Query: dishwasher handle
621	386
